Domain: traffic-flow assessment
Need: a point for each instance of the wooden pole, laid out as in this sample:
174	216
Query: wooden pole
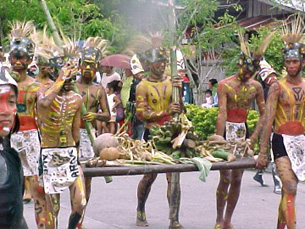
51	23
153	169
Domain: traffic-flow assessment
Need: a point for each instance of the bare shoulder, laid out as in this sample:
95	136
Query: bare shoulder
256	84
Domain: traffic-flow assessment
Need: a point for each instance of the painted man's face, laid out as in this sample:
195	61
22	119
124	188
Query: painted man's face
158	68
19	60
293	66
8	109
88	69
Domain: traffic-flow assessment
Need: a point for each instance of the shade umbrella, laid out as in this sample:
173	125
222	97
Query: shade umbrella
117	61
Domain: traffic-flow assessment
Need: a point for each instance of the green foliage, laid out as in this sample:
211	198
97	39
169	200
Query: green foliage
77	18
204	120
273	53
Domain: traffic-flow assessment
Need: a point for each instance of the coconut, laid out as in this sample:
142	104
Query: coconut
104	141
109	153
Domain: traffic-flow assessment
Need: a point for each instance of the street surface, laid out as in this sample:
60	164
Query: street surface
113	205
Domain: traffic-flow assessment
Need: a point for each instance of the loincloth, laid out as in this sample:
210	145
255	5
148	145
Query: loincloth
27	144
236	132
59	168
295	150
85	147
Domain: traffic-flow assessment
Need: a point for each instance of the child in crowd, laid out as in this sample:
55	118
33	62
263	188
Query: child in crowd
114	103
209	99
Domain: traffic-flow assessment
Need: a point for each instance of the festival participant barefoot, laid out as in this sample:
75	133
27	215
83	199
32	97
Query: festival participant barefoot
26	141
58	111
94	97
154	106
235	95
11	206
285	114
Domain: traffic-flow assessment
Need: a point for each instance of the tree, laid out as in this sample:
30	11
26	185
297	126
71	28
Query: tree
77	18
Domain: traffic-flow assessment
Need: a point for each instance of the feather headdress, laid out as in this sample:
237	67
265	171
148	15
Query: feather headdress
292	34
20	41
250	57
94	49
48	51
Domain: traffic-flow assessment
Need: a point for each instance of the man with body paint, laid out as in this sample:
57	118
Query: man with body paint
26	140
94	97
58	111
285	114
235	95
45	73
154	106
11	206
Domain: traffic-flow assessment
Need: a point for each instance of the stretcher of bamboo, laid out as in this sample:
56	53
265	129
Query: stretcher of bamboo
149	169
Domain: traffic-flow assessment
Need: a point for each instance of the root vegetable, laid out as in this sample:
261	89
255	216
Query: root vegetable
110	154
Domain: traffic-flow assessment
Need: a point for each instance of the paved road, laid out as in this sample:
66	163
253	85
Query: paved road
112	206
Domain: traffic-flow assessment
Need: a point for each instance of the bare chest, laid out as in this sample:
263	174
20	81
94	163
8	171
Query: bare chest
292	96
240	95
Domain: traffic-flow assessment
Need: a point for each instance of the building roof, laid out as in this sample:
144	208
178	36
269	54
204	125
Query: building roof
253	23
290	5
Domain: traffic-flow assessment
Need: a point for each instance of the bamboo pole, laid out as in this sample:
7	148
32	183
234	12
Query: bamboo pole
51	23
153	169
174	199
89	129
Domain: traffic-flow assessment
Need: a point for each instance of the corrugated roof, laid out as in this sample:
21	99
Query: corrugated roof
290	5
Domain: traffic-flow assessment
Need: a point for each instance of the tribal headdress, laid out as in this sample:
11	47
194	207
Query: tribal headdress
94	49
265	69
47	51
135	65
149	48
250	59
292	34
57	55
20	41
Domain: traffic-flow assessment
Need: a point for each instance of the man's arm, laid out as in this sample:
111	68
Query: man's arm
261	108
104	115
76	123
222	113
46	97
272	101
271	106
